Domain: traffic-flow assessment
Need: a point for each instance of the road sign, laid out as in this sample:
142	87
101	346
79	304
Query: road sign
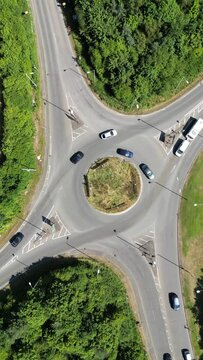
47	221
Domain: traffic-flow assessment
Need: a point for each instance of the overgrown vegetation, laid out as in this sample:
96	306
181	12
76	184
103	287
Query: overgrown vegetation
141	51
114	185
19	102
192	254
70	313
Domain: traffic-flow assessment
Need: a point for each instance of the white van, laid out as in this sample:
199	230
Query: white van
198	126
182	147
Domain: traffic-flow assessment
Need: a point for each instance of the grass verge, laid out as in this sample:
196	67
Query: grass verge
191	232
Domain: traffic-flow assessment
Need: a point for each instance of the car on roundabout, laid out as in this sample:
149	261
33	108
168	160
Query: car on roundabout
124	152
147	171
107	134
16	239
75	158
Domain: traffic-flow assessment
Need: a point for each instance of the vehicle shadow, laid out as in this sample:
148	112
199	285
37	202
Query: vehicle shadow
188	126
177	144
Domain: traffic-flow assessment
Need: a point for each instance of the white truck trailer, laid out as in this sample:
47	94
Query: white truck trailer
195	130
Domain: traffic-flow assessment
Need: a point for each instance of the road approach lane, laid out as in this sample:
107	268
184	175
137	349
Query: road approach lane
63	185
130	262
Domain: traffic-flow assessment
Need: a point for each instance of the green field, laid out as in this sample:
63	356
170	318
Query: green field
191	232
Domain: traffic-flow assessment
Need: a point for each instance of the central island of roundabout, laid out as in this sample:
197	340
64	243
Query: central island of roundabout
112	185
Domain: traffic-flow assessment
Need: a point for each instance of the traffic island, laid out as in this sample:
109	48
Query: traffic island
112	185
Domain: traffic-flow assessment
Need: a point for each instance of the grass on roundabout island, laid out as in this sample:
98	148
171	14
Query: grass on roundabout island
112	185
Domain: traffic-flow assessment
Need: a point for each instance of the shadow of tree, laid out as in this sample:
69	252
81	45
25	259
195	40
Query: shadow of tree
198	310
19	283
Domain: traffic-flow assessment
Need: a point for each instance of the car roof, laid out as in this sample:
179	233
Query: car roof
146	168
167	356
76	156
124	151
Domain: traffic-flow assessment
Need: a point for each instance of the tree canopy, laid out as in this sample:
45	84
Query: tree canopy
140	50
72	313
17	60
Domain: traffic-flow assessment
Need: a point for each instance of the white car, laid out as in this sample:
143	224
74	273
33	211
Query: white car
183	145
186	354
107	134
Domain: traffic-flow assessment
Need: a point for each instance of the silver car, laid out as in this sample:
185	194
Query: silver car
147	171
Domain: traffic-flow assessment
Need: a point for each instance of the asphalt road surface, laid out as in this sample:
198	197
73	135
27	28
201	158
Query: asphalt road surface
144	234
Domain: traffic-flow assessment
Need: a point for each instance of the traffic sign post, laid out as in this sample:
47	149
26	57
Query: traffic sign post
47	221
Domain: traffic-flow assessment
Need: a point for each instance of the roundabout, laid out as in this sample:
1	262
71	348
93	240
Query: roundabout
64	199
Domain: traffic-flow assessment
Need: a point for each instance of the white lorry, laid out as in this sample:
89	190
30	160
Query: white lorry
195	130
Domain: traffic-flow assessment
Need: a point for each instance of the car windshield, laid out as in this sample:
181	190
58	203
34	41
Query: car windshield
176	302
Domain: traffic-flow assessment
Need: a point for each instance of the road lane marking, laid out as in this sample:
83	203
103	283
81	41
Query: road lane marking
54	232
9	262
173	168
50	145
79	132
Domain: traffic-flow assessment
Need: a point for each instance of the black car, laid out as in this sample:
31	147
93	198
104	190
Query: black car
167	356
124	152
16	239
174	301
147	171
76	157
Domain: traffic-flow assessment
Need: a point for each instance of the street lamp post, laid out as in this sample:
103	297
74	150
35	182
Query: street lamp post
30	284
28	170
31	79
88	72
137	104
183	78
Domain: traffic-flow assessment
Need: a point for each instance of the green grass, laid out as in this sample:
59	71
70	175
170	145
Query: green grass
114	185
191	232
191	216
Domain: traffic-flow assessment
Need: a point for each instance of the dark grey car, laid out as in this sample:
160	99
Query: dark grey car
125	152
147	171
174	301
167	356
16	239
76	157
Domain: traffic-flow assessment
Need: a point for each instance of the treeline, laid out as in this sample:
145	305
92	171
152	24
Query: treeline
74	313
142	51
18	103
